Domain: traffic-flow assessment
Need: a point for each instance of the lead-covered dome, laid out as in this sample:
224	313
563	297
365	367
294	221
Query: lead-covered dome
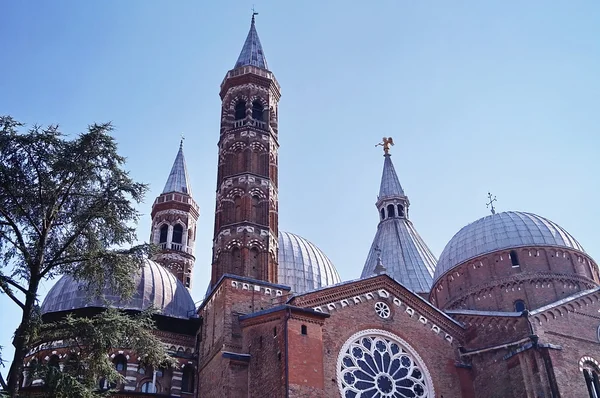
155	285
302	265
506	230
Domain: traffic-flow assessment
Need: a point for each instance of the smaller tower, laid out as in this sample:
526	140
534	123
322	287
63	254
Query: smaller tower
174	218
398	250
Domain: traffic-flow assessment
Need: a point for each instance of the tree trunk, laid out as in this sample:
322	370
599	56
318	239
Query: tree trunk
22	341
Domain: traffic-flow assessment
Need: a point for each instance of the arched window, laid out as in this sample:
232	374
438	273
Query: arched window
236	260
187	379
592	381
520	306
256	215
238	209
177	233
120	363
304	330
390	210
253	270
513	258
400	211
382	214
257	110
148	387
240	110
164	232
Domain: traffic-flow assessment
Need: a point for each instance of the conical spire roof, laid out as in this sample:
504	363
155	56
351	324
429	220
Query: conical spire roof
390	184
252	52
178	180
398	248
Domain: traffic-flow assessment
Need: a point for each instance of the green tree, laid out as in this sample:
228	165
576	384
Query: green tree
67	207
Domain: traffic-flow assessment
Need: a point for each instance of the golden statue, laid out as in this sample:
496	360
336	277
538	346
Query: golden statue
387	141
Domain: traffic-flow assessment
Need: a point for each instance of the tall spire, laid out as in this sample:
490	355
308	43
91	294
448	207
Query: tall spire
397	245
390	184
252	52
178	180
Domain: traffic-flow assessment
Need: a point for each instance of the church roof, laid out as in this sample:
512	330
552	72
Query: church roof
390	184
403	253
252	52
178	180
154	286
302	265
506	230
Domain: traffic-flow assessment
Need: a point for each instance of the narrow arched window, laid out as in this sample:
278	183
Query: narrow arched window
148	387
513	258
177	233
120	363
592	381
164	232
187	379
390	210
304	330
520	306
240	110
257	110
400	211
382	214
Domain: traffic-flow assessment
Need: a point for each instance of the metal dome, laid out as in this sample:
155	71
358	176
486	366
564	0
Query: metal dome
505	230
155	285
302	265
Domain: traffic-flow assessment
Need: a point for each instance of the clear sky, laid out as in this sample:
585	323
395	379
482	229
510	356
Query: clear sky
499	96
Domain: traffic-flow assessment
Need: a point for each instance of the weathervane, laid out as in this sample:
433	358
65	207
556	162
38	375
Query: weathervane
182	139
387	142
253	13
490	204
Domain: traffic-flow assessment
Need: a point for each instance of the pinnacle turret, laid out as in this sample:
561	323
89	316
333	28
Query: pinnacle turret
390	184
252	52
398	249
178	180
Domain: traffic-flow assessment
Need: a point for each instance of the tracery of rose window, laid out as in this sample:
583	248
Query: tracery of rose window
378	364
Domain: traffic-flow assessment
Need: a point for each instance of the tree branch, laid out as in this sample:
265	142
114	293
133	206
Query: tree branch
70	241
18	234
3	383
11	282
10	294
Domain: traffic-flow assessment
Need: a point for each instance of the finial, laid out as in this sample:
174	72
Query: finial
490	204
181	142
387	142
379	268
253	14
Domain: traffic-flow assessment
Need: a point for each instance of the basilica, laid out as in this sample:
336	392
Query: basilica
510	309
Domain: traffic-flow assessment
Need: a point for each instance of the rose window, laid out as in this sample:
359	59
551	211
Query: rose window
378	364
382	309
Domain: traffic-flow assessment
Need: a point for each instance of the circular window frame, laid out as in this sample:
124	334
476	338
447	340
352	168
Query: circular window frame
383	310
385	334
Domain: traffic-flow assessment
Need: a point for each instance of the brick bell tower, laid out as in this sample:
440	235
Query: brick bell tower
246	219
174	218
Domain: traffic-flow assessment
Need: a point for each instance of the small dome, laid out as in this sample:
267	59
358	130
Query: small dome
302	265
500	231
155	285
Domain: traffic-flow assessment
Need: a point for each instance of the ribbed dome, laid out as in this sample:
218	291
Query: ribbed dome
154	285
500	231
302	265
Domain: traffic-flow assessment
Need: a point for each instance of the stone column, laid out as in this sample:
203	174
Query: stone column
176	383
131	376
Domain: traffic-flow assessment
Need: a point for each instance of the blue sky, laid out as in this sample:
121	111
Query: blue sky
497	96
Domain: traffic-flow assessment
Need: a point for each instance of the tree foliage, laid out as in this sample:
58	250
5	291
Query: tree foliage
66	207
